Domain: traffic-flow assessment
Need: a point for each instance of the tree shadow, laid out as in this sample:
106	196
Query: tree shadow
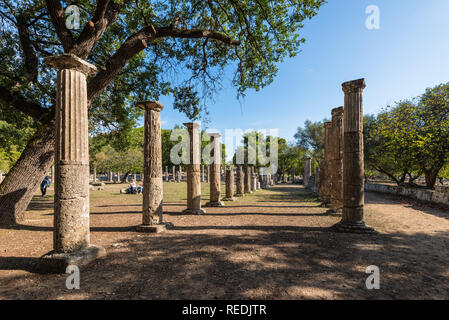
271	263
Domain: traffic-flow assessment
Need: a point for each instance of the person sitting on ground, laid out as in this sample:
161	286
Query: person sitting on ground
132	187
44	185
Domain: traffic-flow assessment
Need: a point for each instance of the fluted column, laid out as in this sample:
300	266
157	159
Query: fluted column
193	170
336	162
152	166
215	171
229	184
240	182
248	179
71	216
353	165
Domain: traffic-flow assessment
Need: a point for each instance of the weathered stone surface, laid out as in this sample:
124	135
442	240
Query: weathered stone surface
229	185
240	182
248	179
215	171
71	237
193	170
353	166
153	185
335	158
55	262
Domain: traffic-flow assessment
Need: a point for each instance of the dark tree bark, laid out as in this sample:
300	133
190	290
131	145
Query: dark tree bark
24	178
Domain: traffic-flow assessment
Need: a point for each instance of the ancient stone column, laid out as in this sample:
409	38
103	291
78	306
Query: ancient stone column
173	169
248	179
215	171
240	182
53	174
152	166
71	237
95	174
229	184
208	174
336	162
353	166
178	176
253	183
202	173
293	174
110	176
307	172
118	177
193	170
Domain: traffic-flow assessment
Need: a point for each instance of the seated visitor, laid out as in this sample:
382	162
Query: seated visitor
132	186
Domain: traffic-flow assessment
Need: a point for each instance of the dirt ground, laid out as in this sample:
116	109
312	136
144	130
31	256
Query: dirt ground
274	244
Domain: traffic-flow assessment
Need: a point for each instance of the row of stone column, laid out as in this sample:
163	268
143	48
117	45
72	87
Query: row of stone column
340	177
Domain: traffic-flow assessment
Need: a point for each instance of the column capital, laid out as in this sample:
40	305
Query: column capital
337	111
214	134
71	62
150	104
194	125
328	124
354	86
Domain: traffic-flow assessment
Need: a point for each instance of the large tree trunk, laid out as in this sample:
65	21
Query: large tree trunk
26	175
431	177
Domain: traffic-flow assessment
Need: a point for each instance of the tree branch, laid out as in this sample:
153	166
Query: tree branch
105	14
138	42
57	17
17	101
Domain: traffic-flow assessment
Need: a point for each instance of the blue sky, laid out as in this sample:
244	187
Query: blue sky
409	53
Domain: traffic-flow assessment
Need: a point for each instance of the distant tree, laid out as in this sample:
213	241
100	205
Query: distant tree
311	138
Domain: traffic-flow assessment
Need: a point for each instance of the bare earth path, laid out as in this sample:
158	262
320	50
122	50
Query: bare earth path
274	244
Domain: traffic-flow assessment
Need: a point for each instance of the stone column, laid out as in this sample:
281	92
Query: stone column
71	237
326	169
215	171
229	185
253	183
293	174
118	177
336	162
307	171
193	170
173	178
248	179
178	176
202	173
353	166
208	174
95	174
240	182
53	174
110	176
152	166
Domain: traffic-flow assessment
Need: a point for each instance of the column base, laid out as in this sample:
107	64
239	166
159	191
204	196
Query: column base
353	227
335	212
155	228
214	204
229	199
194	211
54	262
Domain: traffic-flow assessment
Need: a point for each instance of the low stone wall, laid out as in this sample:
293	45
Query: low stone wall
440	195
